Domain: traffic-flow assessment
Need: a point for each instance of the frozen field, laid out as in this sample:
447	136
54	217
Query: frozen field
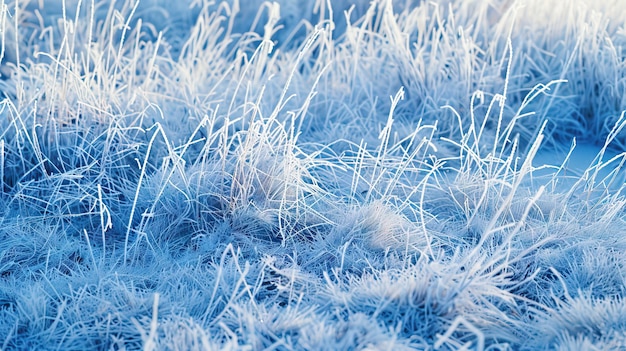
312	175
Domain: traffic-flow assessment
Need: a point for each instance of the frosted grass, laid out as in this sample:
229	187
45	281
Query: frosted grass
312	175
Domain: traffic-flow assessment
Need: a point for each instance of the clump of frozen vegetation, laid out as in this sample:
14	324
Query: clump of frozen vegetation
312	175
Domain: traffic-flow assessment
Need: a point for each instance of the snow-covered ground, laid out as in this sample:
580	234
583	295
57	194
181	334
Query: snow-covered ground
586	163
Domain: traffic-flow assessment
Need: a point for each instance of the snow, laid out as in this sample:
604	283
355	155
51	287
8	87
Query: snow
583	161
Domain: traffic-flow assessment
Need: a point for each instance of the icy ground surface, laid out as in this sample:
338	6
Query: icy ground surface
586	161
312	175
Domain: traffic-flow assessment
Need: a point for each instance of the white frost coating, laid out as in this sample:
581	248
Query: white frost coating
312	175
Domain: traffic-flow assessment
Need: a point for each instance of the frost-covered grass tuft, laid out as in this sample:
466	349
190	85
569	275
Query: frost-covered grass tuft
312	175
